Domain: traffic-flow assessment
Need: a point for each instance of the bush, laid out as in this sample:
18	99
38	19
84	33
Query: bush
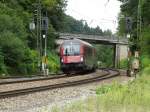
3	69
104	54
134	94
145	61
145	41
12	40
30	62
53	62
124	63
146	71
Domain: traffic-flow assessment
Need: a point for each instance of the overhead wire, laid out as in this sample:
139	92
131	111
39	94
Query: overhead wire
102	21
106	3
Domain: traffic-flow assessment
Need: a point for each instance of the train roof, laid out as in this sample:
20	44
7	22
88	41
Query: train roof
77	41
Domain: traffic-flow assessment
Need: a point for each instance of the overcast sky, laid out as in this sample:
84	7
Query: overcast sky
102	13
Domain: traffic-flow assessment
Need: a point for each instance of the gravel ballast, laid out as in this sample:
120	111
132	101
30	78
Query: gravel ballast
39	101
24	85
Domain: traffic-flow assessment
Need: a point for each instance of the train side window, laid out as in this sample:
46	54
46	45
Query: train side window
71	50
66	51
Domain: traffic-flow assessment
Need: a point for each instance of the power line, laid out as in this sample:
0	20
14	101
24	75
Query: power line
106	3
102	19
139	19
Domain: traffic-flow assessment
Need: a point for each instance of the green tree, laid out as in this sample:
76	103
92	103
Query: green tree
16	41
130	8
103	54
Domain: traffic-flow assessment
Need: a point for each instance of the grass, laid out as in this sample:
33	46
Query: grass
133	97
124	64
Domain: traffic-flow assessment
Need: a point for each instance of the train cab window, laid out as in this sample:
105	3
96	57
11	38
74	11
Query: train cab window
71	50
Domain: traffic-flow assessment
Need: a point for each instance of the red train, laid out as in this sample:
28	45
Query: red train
77	55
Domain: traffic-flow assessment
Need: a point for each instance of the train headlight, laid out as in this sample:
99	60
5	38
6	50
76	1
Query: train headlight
62	60
81	59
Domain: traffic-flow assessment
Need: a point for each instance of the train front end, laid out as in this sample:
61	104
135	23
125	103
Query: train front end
71	56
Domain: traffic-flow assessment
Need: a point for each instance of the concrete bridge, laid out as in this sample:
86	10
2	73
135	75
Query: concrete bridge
110	40
120	44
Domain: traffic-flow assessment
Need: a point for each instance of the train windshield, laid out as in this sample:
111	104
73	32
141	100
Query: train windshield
71	49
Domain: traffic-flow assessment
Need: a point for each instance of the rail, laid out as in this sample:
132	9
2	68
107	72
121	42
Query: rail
108	74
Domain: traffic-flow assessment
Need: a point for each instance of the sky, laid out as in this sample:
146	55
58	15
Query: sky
102	13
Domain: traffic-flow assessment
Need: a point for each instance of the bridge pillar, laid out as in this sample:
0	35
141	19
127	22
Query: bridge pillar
116	57
120	53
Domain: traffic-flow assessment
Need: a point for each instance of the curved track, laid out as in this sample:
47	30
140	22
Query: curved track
33	79
31	76
108	74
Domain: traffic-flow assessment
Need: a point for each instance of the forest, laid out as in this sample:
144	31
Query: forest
138	11
18	53
132	96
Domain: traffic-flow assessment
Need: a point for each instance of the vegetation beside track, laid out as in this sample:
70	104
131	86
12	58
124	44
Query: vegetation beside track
18	44
131	97
104	55
124	64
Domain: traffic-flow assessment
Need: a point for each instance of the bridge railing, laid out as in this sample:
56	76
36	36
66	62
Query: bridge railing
93	37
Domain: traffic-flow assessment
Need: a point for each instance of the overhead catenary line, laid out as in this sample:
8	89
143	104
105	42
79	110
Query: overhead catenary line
106	3
99	20
102	21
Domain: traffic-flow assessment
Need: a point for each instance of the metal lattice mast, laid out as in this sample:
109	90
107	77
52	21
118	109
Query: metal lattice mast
139	21
38	32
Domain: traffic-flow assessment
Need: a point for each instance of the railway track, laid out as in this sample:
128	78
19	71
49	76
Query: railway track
31	76
108	74
33	79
